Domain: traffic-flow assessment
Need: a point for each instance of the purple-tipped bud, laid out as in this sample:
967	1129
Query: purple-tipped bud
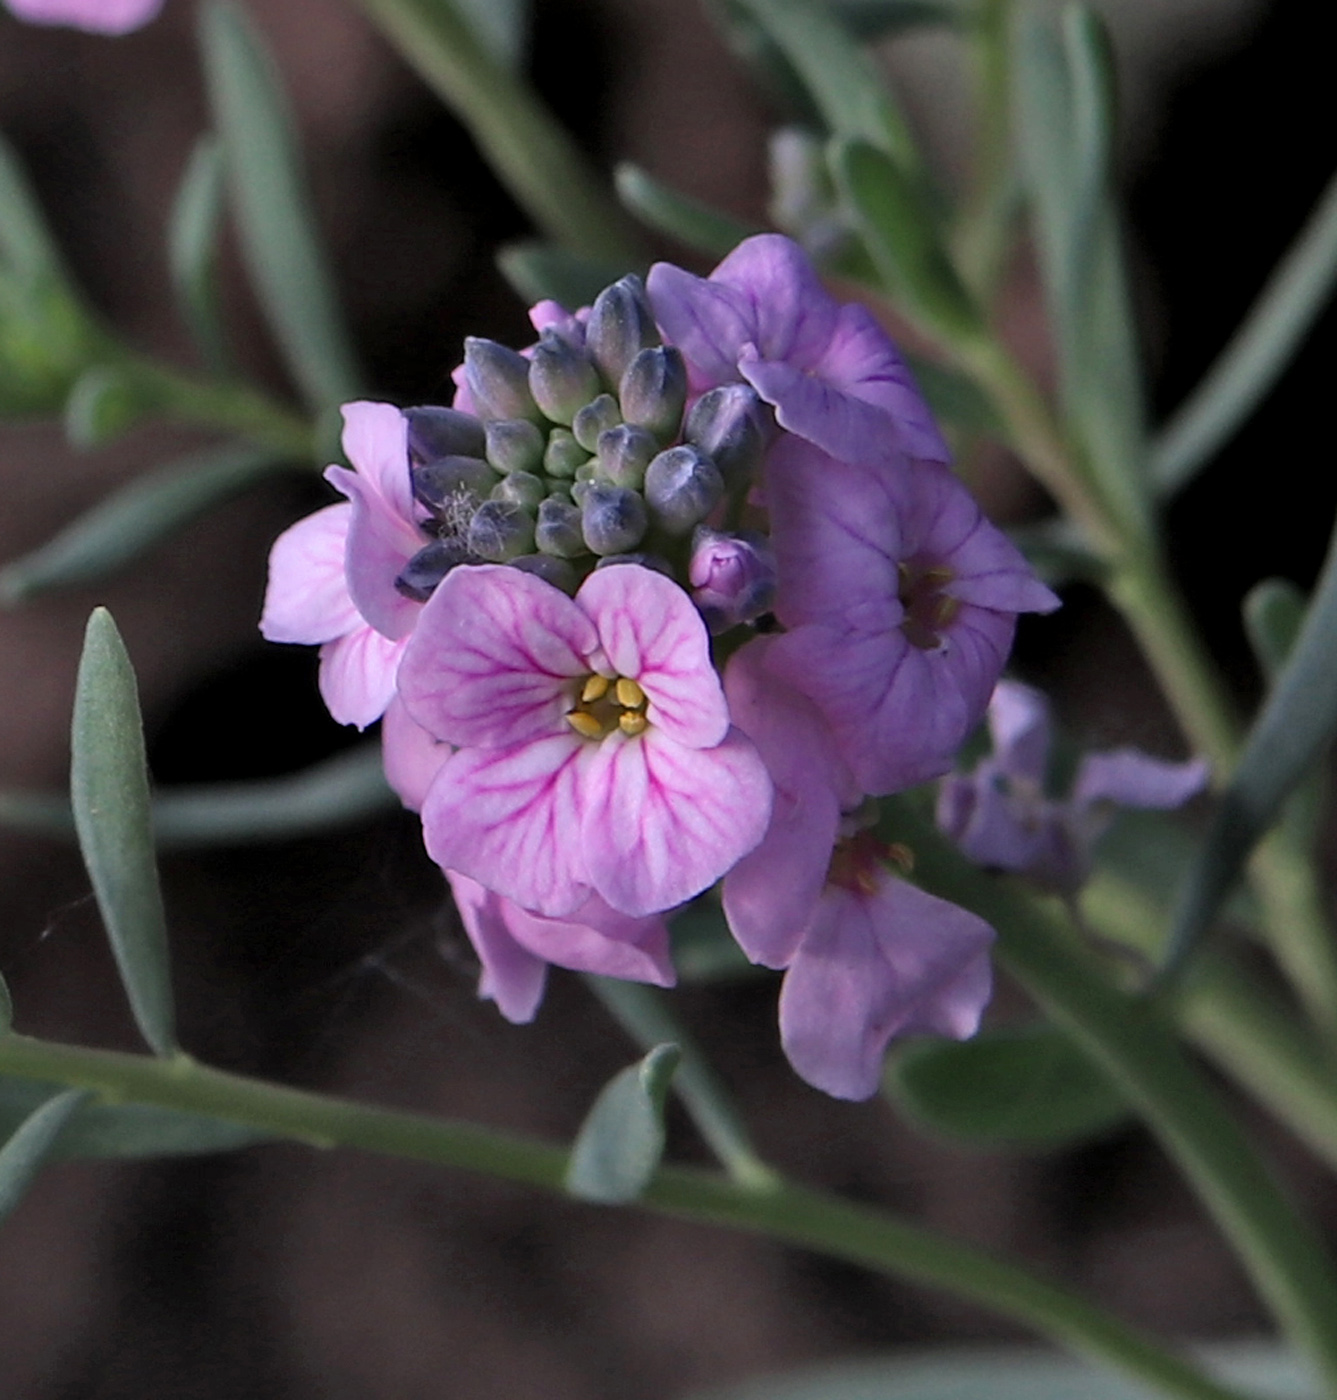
498	380
654	390
624	454
595	418
558	530
515	445
732	427
563	454
621	324
521	489
682	487
500	530
442	484
551	570
561	378
428	567
442	432
612	519
733	577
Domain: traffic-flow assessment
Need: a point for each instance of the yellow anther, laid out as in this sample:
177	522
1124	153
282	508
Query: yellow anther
945	610
629	694
596	687
632	722
902	857
938	575
585	724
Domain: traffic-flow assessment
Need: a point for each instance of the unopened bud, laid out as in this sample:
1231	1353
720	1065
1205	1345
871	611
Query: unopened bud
558	530
612	519
498	380
647	561
501	530
731	426
551	570
515	445
596	417
624	454
521	489
420	576
442	432
653	391
733	577
682	487
563	454
442	484
621	324
561	378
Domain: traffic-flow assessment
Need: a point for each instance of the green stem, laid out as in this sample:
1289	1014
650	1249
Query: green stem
810	1219
532	154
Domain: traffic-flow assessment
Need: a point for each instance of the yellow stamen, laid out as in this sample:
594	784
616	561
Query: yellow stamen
632	722
902	857
585	724
945	609
629	694
596	687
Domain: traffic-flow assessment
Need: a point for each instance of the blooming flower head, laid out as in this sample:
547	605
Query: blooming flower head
96	16
1000	815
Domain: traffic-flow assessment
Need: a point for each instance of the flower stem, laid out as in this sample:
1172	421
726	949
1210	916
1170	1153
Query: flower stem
810	1219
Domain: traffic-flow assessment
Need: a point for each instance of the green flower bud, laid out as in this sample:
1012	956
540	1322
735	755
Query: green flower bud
550	569
563	454
612	518
561	378
621	324
596	417
436	432
515	445
420	576
682	487
498	379
521	489
501	530
558	529
732	427
624	454
441	485
654	390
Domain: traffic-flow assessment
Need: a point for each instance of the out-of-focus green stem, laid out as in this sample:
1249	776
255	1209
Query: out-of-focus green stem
531	153
810	1219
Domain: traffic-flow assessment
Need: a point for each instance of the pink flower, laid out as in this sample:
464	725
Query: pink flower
902	600
595	754
830	371
96	16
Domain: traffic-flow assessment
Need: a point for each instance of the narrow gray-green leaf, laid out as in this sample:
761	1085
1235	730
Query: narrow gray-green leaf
1274	613
134	519
955	400
103	404
1058	551
6	1008
537	271
693	223
25	244
279	240
621	1142
880	19
1031	1087
22	1156
1275	327
703	948
501	26
109	792
192	247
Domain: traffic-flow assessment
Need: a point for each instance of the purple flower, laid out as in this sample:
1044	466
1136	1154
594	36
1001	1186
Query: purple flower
830	371
733	577
999	814
868	957
96	16
594	749
902	601
516	946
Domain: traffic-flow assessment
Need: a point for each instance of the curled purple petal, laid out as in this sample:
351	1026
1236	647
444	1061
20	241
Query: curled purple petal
1135	779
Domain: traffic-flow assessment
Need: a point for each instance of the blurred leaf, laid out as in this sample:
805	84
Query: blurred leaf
26	246
880	19
956	400
121	1130
1264	343
279	239
1274	613
339	792
694	224
192	247
6	1008
500	25
539	271
132	520
22	1156
621	1141
102	405
1057	549
901	233
1031	1087
109	792
703	948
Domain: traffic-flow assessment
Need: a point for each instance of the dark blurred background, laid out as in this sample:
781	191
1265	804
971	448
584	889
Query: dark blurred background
285	1272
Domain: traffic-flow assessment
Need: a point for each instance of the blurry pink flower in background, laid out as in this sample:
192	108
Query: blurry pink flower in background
96	16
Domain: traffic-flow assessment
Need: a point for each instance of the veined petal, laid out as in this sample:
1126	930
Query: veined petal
491	661
511	819
793	314
513	977
307	597
380	543
412	758
708	322
661	822
596	938
376	441
650	632
357	675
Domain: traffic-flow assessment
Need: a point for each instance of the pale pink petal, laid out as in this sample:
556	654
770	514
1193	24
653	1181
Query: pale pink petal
1019	725
493	657
1135	779
596	938
511	819
661	822
376	441
307	599
96	16
650	631
412	758
380	543
512	976
357	675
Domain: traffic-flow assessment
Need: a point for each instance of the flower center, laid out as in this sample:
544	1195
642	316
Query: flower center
605	703
928	610
859	861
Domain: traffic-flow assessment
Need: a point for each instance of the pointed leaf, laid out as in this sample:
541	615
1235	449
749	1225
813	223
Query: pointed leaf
132	520
103	404
109	791
6	1008
501	26
694	224
1031	1087
1274	612
279	240
192	246
538	270
621	1141
26	246
22	1156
